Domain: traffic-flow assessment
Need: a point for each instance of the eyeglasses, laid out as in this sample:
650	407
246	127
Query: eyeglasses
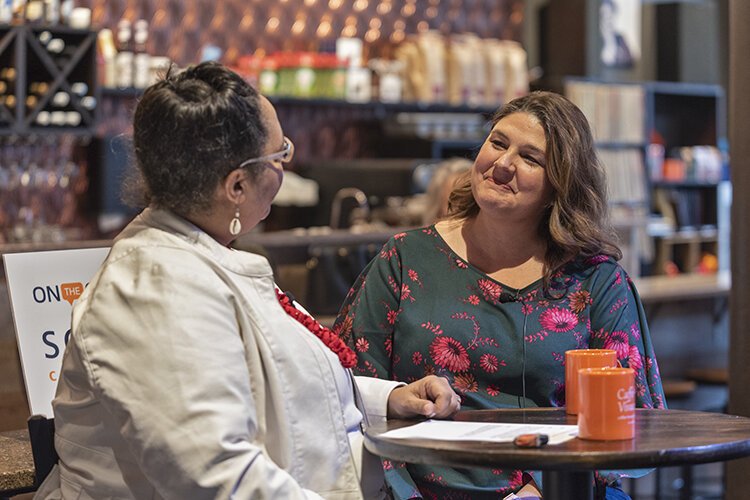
283	156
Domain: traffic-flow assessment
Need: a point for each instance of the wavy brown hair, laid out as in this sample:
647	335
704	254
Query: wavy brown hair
576	223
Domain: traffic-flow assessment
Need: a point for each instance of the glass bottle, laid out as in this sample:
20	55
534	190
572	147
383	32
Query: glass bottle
124	59
141	59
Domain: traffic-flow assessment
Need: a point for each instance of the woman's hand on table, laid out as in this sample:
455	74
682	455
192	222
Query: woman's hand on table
430	397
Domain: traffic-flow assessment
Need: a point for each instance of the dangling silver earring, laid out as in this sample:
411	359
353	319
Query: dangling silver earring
235	226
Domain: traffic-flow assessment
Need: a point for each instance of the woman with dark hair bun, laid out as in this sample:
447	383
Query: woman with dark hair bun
523	268
188	374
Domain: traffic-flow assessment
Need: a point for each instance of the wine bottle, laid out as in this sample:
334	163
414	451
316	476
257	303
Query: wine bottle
43	118
141	59
44	37
79	88
124	60
55	45
52	11
57	118
6	11
8	74
61	99
88	102
34	13
72	118
38	88
66	8
9	100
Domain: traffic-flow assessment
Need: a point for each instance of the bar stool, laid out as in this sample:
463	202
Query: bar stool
709	393
713	381
674	390
678	392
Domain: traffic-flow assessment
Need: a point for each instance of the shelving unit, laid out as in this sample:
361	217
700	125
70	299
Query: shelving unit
48	105
627	118
50	79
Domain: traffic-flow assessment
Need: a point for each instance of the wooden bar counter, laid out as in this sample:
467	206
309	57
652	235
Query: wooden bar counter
16	463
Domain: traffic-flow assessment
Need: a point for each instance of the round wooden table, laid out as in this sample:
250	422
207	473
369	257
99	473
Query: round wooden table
663	438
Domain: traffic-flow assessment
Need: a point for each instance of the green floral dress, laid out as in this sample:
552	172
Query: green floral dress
420	309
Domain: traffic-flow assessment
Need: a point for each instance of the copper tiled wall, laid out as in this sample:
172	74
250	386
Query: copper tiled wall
180	28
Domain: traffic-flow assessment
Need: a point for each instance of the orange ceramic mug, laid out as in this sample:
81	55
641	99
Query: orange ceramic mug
583	358
607	403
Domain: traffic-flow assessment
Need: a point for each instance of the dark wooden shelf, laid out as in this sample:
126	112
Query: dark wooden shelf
685	88
128	92
684	184
620	145
398	107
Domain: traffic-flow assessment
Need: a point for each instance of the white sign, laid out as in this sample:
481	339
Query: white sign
43	287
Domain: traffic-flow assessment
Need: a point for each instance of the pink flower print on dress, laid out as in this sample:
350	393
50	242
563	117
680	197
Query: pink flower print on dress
465	382
387	254
406	292
416	358
516	479
344	329
634	358
391	316
414	276
635	331
388	344
580	300
433	328
618	341
490	290
493	390
558	320
618	279
448	353
597	259
489	363
362	345
473	300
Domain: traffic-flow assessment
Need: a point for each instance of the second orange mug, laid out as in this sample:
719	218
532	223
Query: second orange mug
607	403
583	358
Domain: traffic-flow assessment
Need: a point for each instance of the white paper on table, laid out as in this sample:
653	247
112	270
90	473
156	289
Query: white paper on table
446	430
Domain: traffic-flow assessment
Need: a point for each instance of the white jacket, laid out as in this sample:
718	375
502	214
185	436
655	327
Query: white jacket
184	378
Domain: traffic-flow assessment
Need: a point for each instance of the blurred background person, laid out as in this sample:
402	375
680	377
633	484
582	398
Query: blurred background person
444	177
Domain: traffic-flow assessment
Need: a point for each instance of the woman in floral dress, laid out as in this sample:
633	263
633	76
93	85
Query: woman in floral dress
523	269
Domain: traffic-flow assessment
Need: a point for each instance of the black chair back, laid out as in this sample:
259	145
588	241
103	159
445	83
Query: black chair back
42	437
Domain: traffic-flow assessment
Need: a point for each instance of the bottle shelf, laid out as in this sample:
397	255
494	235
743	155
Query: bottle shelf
49	79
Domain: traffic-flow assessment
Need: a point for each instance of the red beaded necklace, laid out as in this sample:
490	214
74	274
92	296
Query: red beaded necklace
346	355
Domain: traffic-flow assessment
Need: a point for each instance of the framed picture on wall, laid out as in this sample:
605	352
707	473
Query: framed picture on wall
620	31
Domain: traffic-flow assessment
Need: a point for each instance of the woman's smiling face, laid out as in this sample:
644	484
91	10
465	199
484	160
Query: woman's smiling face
509	177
